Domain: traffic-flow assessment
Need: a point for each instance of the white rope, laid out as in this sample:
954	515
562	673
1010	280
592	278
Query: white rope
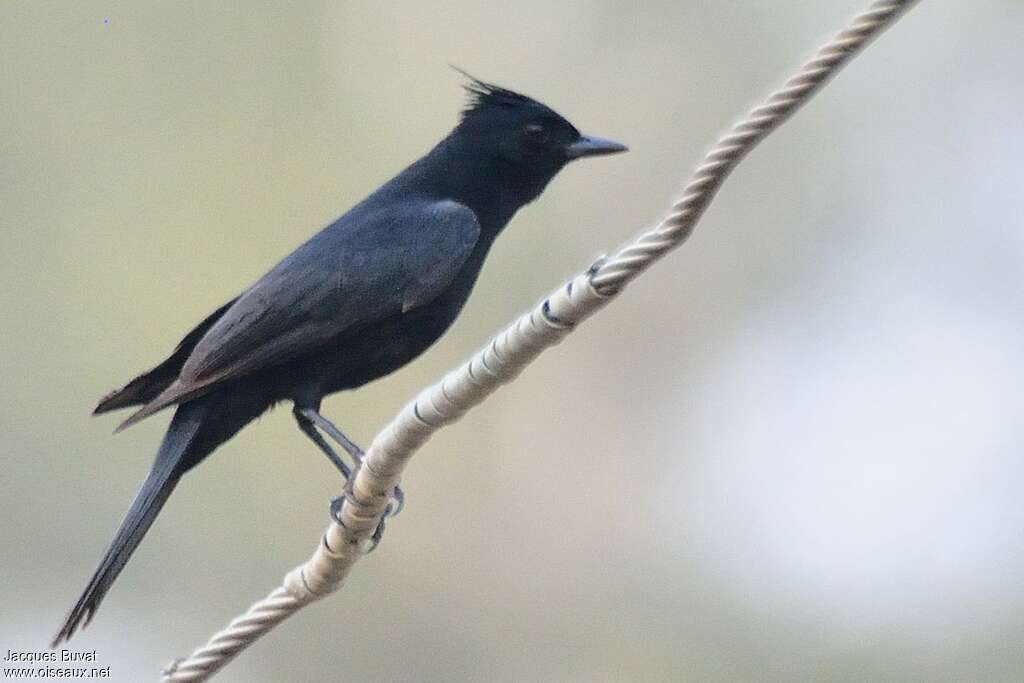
511	351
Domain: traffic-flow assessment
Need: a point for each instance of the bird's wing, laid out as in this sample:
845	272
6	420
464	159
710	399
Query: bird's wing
366	267
148	385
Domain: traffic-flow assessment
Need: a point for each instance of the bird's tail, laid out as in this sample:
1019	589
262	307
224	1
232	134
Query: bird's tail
158	486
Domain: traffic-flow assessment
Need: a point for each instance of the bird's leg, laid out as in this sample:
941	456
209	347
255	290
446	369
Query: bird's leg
308	427
314	417
309	419
309	430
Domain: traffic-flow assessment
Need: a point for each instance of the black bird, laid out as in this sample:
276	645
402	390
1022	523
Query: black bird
360	299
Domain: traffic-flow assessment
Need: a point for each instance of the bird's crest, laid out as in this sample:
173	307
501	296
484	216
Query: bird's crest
483	95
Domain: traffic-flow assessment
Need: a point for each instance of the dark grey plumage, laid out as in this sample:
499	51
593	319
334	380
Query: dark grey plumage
360	299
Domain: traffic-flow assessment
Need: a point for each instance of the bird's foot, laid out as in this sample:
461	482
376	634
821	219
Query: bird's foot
378	533
394	506
309	419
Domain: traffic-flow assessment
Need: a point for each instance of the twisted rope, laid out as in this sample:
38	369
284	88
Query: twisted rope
511	351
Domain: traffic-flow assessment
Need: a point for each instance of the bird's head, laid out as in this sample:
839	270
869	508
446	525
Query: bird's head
528	139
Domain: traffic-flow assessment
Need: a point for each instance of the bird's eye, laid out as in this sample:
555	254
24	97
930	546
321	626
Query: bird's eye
536	132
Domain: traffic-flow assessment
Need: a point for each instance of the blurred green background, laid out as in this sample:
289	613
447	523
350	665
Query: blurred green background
791	452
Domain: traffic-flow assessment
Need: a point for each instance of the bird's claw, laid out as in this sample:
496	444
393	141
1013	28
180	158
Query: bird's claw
336	503
398	498
392	509
378	533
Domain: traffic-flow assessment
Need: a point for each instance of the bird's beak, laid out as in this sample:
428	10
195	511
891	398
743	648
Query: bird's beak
590	146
